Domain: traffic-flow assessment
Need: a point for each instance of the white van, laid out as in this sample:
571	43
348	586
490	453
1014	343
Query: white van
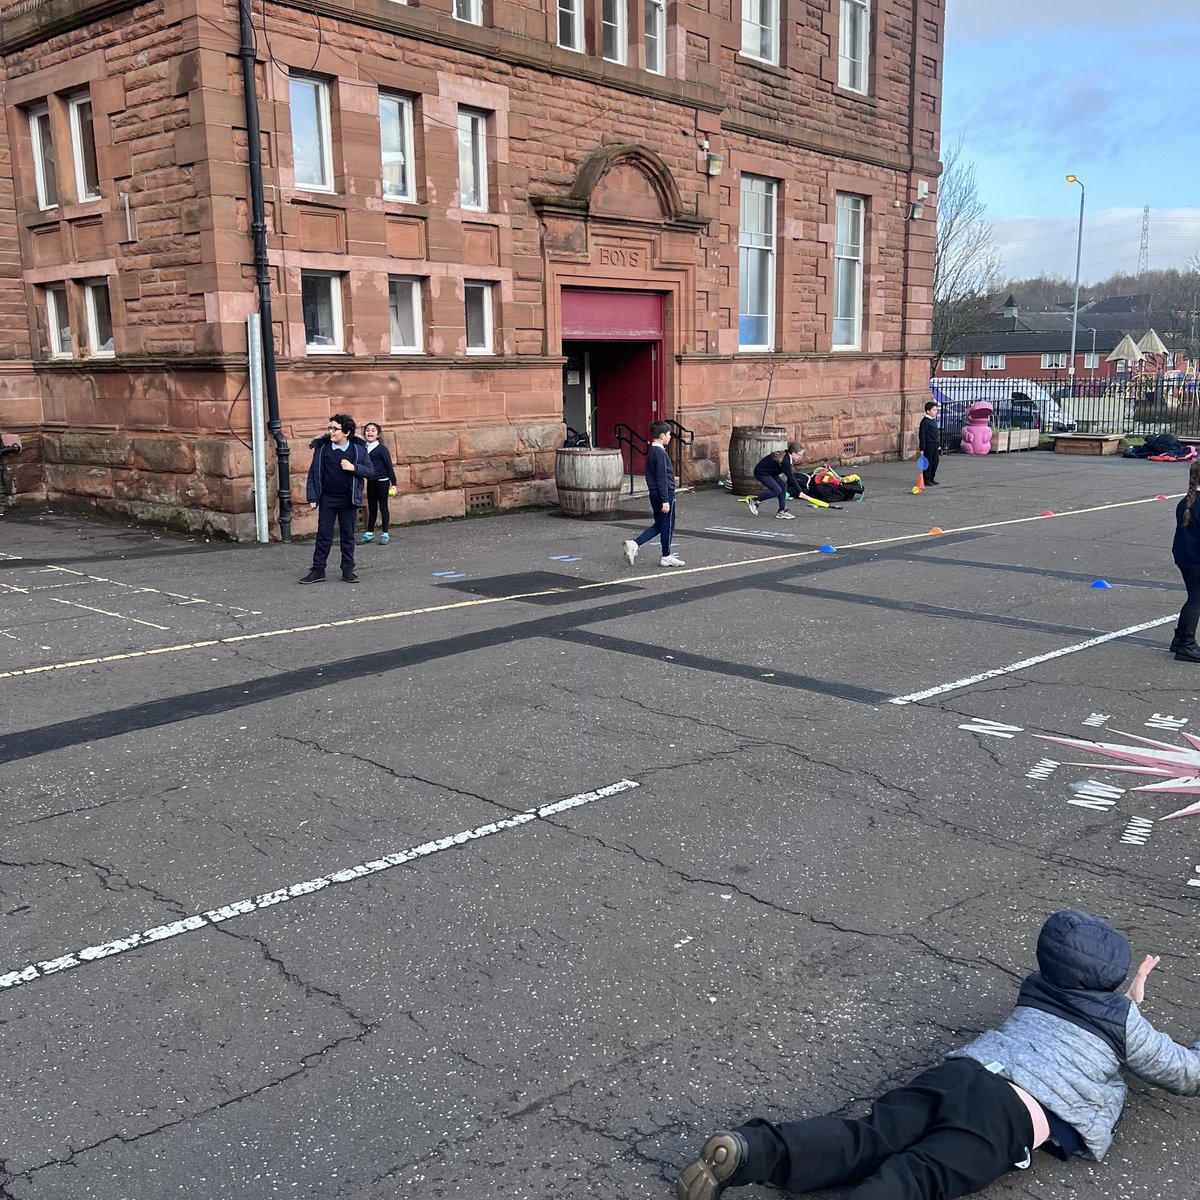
1019	403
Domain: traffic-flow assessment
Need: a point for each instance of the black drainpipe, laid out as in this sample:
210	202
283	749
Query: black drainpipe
262	275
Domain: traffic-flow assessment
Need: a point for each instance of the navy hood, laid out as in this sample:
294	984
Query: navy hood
1078	951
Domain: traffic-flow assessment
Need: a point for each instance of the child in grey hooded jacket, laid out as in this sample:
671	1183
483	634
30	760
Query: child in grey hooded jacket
1049	1076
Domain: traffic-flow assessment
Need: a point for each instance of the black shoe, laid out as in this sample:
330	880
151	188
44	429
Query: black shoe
314	576
349	577
1188	654
1181	643
931	483
708	1176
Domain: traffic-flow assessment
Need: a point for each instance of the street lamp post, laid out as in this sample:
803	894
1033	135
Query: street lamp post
1078	260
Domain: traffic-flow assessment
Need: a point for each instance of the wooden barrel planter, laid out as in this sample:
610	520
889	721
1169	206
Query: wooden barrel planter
589	481
748	444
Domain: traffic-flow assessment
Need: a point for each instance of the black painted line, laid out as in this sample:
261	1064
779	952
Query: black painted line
699	662
214	701
1044	572
919	608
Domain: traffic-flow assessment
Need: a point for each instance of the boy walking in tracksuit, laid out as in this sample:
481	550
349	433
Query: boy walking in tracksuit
660	479
1050	1076
340	466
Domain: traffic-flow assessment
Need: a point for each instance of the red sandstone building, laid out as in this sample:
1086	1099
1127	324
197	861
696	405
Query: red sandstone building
486	220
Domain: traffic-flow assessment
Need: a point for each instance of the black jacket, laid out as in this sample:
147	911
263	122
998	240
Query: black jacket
928	437
358	456
381	460
1186	547
769	466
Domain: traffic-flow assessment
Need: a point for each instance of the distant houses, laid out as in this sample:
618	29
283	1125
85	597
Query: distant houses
1036	343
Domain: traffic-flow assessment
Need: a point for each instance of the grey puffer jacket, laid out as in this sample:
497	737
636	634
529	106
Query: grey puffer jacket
1071	1032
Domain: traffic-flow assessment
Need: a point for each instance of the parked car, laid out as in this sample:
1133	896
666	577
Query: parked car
1019	403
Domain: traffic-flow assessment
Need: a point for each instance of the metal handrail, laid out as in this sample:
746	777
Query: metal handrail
628	436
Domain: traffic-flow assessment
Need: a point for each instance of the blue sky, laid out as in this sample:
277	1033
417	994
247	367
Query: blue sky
1108	91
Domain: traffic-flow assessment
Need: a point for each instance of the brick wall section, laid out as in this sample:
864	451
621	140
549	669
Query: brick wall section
168	81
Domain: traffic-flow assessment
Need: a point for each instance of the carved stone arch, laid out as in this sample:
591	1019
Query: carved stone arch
628	181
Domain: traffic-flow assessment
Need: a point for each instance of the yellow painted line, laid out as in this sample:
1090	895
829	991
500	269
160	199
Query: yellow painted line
484	601
106	612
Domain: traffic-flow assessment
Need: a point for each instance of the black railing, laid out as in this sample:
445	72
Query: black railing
1131	405
630	442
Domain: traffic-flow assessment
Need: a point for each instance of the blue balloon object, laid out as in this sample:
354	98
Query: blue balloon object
922	463
828	549
1101	583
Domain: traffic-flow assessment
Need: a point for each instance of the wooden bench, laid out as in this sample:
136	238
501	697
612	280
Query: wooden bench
1086	443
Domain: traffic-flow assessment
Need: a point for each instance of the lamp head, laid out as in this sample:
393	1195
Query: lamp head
1072	179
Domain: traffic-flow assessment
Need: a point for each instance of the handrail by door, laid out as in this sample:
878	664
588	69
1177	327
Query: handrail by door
627	436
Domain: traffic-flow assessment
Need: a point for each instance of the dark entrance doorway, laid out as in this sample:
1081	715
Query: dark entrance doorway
613	342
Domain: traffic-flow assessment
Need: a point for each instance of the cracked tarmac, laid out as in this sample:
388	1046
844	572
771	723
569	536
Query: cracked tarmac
811	894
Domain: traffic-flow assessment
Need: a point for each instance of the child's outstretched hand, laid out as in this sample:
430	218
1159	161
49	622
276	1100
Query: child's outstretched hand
1136	991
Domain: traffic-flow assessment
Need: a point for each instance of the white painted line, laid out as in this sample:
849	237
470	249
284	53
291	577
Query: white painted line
215	916
482	601
137	587
942	688
106	613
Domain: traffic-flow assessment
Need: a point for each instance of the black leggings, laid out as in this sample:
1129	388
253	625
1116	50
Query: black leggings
377	500
1188	614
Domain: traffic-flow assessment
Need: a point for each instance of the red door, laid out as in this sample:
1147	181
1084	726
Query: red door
625	332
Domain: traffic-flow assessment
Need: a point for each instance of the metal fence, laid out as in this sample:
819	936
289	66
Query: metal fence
1132	405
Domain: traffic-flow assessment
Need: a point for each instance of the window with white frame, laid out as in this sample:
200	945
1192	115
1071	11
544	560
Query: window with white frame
83	148
396	146
478	298
470	11
993	362
756	264
58	323
954	362
321	302
1091	360
848	273
472	159
760	29
854	45
1054	362
404	301
614	30
99	319
570	24
45	169
656	36
311	145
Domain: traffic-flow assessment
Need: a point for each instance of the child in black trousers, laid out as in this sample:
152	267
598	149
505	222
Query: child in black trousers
381	485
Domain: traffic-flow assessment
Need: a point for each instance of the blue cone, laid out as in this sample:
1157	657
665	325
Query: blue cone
828	549
1101	583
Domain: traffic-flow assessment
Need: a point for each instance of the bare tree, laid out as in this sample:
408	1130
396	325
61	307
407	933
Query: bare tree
966	272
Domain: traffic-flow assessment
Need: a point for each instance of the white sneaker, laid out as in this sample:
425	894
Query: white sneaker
752	505
672	560
631	549
784	515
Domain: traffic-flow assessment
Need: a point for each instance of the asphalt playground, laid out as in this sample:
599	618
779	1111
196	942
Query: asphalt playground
513	871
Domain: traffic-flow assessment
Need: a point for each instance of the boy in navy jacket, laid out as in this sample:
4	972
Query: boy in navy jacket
340	466
660	479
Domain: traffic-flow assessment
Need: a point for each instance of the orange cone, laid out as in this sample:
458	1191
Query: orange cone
937	529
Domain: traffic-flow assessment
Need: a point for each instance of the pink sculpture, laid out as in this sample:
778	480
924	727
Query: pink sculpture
977	432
